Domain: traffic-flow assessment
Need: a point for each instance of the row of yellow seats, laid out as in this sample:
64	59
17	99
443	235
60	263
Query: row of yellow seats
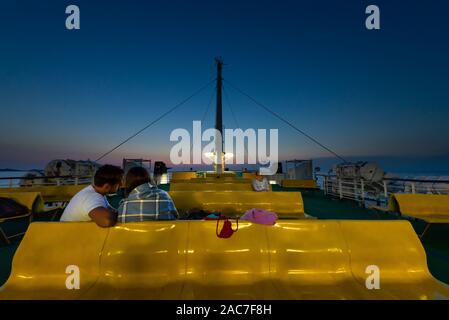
284	204
211	186
305	259
49	193
186	175
183	175
212	180
192	176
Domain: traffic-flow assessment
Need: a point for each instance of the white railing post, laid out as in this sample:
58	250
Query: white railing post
340	189
362	187
385	189
413	188
325	185
76	180
10	183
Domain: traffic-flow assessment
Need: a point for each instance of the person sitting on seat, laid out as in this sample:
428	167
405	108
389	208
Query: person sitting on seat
144	201
90	204
260	183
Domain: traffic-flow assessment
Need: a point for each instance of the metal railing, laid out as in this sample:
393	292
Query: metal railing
13	182
16	181
364	191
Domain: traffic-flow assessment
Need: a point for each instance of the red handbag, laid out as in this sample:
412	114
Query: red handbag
226	231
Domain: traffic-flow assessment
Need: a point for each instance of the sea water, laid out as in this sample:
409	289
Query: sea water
5	183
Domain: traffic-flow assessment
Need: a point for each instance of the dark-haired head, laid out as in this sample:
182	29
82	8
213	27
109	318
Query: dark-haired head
135	177
258	176
108	178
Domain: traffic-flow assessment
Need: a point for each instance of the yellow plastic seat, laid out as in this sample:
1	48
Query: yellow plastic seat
32	200
234	268
248	175
183	175
304	184
431	208
317	261
35	204
211	186
220	175
398	253
48	248
284	204
50	193
219	180
303	259
143	260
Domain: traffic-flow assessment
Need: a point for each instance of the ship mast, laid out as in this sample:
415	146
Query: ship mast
219	163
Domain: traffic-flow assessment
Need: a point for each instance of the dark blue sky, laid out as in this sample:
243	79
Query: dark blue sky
76	94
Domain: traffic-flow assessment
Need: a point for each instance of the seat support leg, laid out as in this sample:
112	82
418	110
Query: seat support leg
426	230
4	236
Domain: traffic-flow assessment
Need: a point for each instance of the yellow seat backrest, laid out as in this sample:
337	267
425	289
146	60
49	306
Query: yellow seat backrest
48	248
220	180
211	186
303	259
248	175
318	249
234	268
50	193
420	205
394	248
316	260
285	204
183	175
150	256
226	174
32	200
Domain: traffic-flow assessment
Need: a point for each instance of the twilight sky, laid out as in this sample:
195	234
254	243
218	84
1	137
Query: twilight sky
77	93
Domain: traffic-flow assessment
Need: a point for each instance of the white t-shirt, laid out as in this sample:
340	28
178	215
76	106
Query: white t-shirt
82	203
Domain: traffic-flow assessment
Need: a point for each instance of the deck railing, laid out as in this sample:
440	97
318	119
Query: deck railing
364	191
16	181
13	182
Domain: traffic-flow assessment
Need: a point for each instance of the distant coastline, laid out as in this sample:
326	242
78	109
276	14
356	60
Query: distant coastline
17	170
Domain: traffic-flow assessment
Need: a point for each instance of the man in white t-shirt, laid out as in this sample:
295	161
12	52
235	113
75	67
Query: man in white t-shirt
90	203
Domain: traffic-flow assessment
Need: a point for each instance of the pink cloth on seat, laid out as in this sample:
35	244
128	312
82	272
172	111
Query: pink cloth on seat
260	216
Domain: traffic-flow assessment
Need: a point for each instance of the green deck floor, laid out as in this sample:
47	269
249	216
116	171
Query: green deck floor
436	241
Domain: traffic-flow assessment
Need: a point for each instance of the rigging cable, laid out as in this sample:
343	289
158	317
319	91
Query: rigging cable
228	102
285	121
208	106
204	116
230	107
157	119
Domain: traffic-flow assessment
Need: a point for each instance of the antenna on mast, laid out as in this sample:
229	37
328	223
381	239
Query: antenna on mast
219	163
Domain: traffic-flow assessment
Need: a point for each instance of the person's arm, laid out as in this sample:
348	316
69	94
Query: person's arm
266	185
254	184
103	217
